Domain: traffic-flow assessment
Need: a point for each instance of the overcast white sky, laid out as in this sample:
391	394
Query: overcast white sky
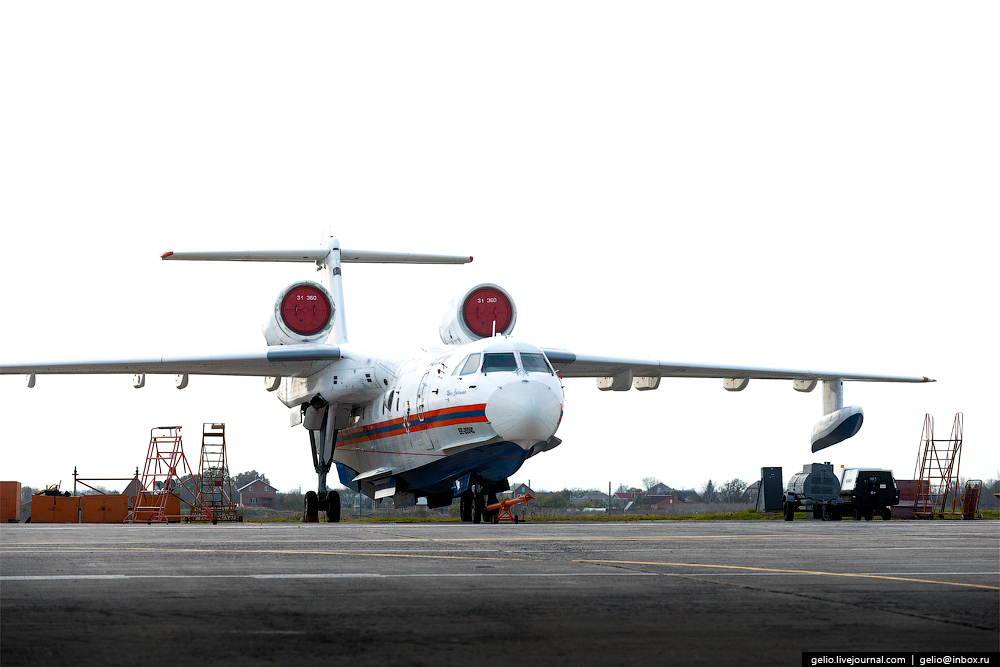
788	184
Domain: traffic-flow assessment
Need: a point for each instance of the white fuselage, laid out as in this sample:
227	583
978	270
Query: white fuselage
479	408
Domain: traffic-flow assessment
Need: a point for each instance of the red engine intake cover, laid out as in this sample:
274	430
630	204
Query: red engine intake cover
483	308
305	310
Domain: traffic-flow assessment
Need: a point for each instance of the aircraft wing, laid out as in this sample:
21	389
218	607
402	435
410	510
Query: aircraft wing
284	361
572	365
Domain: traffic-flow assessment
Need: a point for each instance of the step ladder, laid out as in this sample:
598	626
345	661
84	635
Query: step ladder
165	473
936	472
213	473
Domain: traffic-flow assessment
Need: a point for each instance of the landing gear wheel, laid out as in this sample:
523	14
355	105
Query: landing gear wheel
886	514
478	509
493	515
310	513
857	515
333	507
869	517
465	503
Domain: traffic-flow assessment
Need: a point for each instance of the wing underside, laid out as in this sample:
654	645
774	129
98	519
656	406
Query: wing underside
297	361
573	365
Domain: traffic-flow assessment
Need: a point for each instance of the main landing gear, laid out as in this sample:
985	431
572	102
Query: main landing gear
322	441
472	504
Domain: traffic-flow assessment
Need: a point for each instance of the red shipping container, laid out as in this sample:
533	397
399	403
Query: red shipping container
10	502
55	509
171	509
111	508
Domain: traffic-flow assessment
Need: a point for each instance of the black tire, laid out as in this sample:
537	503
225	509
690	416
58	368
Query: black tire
478	509
789	511
333	507
869	517
886	514
310	511
465	503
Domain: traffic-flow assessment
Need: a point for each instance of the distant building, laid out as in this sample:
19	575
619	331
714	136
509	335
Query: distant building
626	499
519	490
659	502
257	494
590	499
659	497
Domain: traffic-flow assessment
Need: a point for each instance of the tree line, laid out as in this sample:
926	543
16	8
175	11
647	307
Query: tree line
732	491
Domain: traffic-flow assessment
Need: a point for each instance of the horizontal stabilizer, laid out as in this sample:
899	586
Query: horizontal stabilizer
317	255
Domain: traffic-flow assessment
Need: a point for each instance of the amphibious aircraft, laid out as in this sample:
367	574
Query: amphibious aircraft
455	422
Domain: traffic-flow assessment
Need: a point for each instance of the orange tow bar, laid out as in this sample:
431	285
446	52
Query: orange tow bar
502	508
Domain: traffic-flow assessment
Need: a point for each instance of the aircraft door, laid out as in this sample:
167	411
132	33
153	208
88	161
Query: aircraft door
422	397
420	436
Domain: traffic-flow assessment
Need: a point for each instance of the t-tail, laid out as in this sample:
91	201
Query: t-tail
307	311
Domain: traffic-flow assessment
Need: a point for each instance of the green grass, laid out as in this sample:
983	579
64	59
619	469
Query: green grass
746	515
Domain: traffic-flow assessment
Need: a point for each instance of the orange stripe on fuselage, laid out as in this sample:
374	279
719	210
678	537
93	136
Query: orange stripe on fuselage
464	414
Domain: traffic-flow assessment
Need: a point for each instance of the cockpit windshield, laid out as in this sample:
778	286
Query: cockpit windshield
494	362
534	362
470	366
504	362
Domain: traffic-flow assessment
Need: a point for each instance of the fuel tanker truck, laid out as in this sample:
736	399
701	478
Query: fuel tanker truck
858	492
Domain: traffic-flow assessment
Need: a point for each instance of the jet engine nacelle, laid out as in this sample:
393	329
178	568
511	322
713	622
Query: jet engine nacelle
485	310
837	427
303	313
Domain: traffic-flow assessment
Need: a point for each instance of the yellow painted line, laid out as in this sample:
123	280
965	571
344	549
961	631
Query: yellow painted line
769	569
274	551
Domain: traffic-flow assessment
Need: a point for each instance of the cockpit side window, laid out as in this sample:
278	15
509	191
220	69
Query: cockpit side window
534	362
494	362
470	366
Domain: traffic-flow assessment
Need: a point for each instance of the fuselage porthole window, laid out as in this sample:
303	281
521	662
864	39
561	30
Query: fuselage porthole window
499	362
471	365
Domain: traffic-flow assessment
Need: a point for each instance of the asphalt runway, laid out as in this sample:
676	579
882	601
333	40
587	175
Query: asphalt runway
651	593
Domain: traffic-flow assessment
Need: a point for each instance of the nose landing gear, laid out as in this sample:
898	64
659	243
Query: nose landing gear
329	505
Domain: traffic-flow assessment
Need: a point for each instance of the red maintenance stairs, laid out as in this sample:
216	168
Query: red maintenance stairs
165	473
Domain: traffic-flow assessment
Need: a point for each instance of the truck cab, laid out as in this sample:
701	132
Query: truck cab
865	492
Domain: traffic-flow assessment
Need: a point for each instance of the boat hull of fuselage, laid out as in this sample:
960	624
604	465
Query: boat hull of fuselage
435	429
487	463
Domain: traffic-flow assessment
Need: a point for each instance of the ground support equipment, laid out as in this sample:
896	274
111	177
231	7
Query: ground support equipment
501	511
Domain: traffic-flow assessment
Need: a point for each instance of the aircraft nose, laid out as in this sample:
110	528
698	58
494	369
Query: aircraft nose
524	412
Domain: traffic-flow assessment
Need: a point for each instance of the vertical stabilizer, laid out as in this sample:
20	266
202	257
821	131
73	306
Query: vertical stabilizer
333	278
